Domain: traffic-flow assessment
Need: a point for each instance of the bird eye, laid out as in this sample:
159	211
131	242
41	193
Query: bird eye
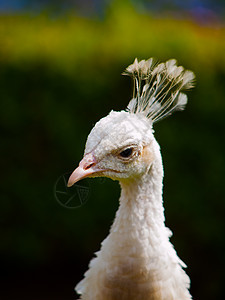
126	153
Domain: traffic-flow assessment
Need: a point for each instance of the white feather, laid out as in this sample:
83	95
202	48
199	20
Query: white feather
158	87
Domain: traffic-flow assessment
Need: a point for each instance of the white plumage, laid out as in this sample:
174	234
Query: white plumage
136	261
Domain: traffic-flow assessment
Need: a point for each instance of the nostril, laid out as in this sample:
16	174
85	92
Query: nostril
88	161
88	166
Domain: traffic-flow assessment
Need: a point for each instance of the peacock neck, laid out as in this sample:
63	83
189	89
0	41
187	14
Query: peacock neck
141	203
136	260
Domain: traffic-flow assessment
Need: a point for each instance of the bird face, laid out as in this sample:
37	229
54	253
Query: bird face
120	146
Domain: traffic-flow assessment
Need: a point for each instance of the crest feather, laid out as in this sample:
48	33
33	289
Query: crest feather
157	88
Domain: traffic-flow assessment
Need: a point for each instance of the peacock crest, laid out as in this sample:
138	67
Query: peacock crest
158	88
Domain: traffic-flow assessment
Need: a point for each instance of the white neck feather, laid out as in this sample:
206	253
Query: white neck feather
137	261
141	204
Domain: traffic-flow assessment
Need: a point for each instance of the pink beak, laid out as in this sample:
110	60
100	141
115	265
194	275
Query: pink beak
87	167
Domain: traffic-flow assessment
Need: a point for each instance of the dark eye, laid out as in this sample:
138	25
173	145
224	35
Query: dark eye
126	153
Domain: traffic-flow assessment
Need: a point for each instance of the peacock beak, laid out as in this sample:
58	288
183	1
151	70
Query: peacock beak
86	168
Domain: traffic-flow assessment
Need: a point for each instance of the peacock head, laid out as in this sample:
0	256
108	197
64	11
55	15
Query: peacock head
122	146
119	147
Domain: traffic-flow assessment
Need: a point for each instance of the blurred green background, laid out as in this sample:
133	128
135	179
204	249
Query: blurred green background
59	74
